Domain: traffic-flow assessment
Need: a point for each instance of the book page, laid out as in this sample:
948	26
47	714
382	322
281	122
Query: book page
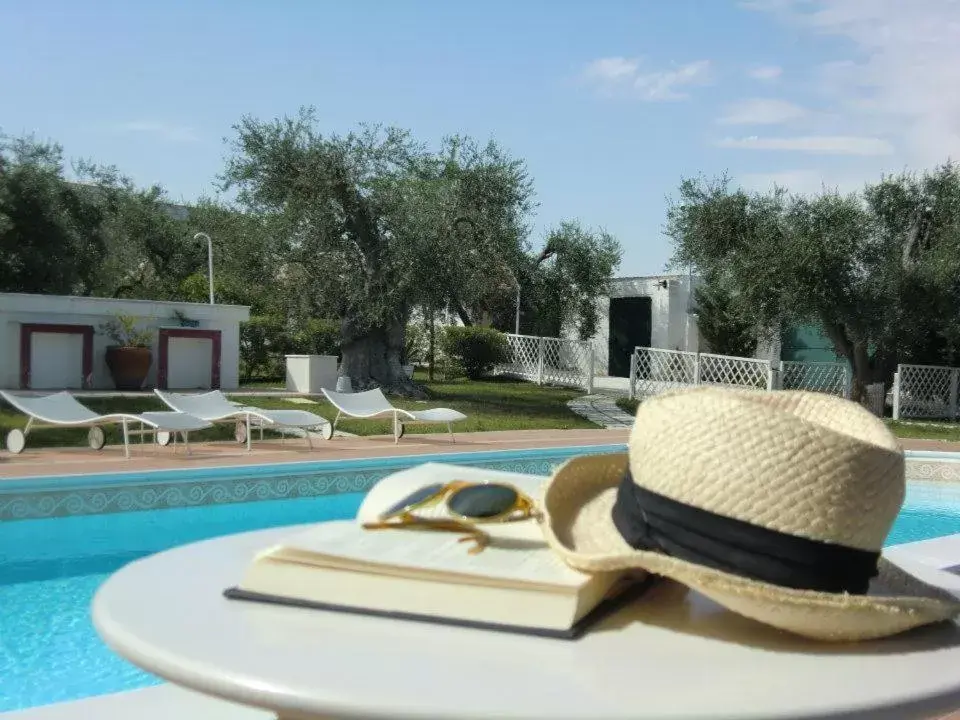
517	555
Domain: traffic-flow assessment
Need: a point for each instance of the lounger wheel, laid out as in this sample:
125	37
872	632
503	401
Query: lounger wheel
164	437
240	431
326	432
16	441
96	437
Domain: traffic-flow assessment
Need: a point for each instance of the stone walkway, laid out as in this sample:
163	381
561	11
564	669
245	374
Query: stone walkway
601	409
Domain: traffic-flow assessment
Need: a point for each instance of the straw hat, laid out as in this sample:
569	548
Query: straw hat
774	504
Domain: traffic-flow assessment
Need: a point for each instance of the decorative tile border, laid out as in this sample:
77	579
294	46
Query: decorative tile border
137	495
215	491
933	470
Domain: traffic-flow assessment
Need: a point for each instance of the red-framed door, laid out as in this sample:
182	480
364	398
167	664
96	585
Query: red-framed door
26	352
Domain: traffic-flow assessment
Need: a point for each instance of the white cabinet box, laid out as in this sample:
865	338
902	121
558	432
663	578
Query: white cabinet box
309	373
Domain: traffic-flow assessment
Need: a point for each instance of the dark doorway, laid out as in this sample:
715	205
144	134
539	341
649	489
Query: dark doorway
630	321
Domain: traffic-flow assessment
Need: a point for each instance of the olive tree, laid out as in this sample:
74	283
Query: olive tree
373	225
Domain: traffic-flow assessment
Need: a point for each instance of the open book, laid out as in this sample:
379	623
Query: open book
515	584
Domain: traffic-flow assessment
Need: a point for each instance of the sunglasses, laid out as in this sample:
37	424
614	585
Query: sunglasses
469	503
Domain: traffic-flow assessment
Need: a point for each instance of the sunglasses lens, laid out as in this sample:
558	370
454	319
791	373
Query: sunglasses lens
482	501
414	498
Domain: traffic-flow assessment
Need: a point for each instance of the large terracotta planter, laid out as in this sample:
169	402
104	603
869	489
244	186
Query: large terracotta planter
128	366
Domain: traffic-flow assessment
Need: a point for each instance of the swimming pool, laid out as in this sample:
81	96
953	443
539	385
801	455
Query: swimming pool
61	537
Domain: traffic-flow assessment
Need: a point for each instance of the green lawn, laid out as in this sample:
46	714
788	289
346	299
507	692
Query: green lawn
925	430
489	405
902	429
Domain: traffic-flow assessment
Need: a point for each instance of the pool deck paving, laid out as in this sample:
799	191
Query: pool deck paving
148	456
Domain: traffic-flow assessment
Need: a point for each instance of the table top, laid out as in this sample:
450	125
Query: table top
673	654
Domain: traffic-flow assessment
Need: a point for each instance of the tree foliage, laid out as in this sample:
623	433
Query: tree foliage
361	228
376	224
566	277
723	326
52	237
877	270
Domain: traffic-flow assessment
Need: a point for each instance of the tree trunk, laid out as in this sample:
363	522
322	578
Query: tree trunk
862	372
372	359
855	351
430	352
461	311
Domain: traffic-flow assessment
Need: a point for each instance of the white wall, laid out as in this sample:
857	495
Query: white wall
19	308
671	326
674	317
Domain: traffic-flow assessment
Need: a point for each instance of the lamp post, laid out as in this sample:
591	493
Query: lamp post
516	323
209	259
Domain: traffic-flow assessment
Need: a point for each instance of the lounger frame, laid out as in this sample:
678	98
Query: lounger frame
244	417
148	423
383	408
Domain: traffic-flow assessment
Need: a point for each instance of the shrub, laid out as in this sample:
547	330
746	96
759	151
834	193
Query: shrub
476	349
263	342
265	339
316	337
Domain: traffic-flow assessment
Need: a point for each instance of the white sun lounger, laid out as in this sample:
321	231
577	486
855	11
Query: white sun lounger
61	409
215	407
373	403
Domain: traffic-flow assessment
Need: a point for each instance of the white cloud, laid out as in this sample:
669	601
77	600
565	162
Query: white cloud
620	75
663	85
765	72
165	131
612	69
820	144
899	74
761	111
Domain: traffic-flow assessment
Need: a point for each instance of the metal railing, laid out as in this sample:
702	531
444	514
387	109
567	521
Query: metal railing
825	377
550	361
654	370
925	391
731	371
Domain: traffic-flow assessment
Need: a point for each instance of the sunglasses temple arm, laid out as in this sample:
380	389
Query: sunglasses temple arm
480	538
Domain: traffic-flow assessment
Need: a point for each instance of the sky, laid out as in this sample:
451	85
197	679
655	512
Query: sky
611	103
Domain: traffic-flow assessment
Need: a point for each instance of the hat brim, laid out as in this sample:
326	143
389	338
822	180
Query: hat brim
577	504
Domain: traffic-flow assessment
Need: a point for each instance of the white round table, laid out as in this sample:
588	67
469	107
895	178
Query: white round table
671	655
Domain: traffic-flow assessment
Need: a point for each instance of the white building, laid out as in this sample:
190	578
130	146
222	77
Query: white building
57	342
656	311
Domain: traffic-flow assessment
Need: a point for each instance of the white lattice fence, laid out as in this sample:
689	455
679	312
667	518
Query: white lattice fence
925	391
524	357
653	371
553	361
734	371
830	378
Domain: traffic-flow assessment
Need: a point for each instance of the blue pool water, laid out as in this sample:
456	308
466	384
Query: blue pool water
51	566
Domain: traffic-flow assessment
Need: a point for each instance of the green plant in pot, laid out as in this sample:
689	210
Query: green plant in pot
129	358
